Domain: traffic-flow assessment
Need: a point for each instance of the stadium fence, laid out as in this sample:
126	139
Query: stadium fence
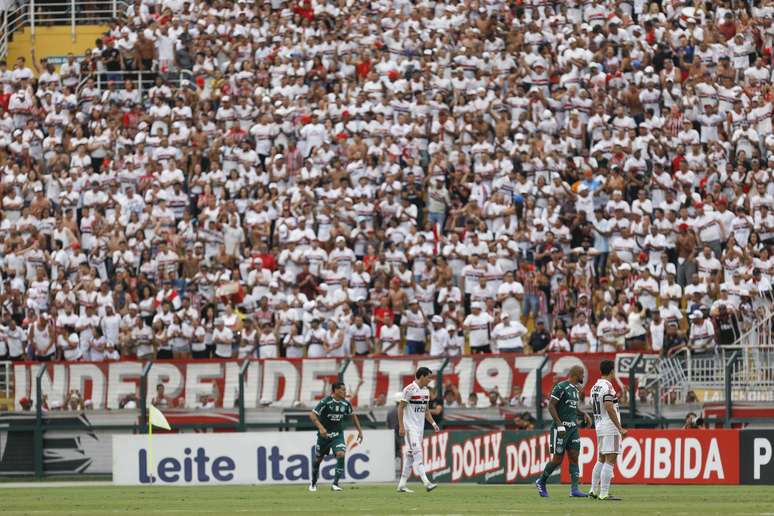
742	372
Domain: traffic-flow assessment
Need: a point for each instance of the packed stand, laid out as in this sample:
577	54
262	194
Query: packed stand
355	178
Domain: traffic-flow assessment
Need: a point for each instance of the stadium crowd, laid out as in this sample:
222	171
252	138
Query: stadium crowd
351	178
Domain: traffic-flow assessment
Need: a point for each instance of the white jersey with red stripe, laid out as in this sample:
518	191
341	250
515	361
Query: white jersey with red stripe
601	392
416	399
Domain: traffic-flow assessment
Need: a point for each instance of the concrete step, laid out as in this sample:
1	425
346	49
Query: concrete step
53	41
6	404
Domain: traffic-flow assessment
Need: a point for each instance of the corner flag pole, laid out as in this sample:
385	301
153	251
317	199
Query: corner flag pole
150	451
155	417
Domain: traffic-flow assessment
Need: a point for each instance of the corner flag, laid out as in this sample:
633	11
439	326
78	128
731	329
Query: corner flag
155	418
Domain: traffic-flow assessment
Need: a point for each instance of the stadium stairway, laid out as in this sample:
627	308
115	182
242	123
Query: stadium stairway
54	41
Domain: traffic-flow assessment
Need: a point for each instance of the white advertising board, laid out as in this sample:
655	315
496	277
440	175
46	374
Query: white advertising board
246	458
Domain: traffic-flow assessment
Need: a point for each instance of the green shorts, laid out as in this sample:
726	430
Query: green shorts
334	442
569	441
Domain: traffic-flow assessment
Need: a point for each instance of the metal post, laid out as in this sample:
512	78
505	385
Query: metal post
633	389
6	28
689	362
242	371
539	393
439	383
115	9
37	441
729	404
72	19
657	399
343	368
144	395
32	19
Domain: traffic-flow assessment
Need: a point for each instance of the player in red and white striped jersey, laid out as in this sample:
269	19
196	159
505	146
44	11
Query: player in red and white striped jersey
412	414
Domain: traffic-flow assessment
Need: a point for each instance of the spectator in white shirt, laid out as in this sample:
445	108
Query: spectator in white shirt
701	338
507	335
439	337
477	327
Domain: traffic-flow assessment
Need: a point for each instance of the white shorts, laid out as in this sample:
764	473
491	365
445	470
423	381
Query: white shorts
413	440
608	443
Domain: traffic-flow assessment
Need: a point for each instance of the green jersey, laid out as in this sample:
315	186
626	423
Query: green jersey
566	395
331	413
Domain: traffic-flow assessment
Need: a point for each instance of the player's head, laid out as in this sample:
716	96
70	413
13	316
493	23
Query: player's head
423	376
339	389
576	374
607	368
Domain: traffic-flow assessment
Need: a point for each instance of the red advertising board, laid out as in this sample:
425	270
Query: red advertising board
667	457
648	457
492	457
293	382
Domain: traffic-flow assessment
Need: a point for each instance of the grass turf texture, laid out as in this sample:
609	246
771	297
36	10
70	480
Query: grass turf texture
382	499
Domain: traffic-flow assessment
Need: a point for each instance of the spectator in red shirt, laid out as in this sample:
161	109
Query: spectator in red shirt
727	27
381	313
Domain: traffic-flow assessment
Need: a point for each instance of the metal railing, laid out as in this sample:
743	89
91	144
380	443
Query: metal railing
672	374
748	371
742	372
72	13
142	80
760	333
6	377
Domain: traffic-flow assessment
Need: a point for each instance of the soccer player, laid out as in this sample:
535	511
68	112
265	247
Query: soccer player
607	420
328	416
563	408
412	413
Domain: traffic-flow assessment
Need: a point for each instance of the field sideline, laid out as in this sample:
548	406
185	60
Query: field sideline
378	499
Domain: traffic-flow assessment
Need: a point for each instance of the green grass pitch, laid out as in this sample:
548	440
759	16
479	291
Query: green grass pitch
381	499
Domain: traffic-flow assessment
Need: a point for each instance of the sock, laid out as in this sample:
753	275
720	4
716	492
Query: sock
339	469
574	474
407	460
607	476
420	463
550	467
595	476
316	469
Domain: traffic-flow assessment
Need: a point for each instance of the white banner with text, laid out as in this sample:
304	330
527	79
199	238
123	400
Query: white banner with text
247	458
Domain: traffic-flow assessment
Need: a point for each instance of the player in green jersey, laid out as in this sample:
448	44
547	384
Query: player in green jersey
564	410
328	416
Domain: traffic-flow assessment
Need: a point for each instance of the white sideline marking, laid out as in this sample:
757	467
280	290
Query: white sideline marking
109	483
87	483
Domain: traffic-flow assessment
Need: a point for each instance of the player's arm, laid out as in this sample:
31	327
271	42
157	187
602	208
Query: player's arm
585	416
555	414
401	408
429	418
313	415
610	408
356	421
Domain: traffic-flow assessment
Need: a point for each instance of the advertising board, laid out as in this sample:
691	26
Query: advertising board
246	458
